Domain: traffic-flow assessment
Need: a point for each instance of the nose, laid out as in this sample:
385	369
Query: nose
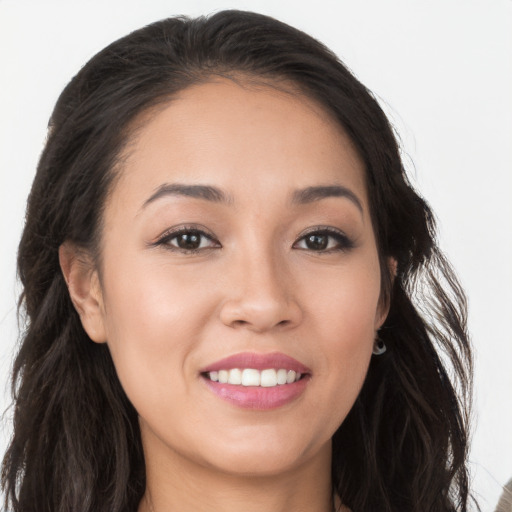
261	296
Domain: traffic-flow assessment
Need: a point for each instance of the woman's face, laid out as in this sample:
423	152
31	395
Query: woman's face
238	237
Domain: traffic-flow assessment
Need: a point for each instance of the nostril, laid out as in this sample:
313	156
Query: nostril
239	323
259	314
244	323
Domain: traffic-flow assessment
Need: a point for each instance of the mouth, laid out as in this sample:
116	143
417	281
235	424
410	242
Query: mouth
257	381
251	377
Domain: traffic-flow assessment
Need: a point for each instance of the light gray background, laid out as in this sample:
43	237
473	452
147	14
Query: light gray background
442	69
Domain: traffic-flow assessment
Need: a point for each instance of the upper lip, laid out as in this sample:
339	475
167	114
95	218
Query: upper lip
257	361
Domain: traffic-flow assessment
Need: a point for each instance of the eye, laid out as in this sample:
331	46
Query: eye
187	240
324	240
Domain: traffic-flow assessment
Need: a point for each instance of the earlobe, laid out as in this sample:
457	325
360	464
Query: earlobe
84	289
393	267
385	299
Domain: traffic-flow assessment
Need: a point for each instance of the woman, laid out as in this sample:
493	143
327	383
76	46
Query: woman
234	296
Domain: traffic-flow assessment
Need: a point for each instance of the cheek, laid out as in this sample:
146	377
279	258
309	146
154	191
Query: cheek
344	302
150	297
348	336
343	321
153	320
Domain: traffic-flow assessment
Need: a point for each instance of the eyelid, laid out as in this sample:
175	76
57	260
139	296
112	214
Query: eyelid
345	242
174	231
321	228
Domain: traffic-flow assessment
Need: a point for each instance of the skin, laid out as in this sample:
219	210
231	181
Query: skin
255	286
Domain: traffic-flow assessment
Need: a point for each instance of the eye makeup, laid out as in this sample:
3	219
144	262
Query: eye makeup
192	239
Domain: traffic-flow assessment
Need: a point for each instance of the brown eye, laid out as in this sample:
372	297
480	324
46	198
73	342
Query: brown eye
316	242
188	240
324	240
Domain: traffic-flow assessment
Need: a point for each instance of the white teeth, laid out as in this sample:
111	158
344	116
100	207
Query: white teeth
268	378
235	376
249	377
281	376
290	377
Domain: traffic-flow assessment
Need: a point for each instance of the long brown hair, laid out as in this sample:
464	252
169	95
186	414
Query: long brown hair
76	443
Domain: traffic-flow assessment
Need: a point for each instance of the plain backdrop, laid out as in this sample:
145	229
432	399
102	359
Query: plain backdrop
442	69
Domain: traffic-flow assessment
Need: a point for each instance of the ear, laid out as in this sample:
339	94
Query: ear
84	289
384	301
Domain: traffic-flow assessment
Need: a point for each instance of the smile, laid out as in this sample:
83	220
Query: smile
267	378
257	381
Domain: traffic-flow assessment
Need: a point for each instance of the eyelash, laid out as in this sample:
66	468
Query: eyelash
165	239
343	242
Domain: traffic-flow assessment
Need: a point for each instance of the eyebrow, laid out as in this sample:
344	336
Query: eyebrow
206	192
216	195
311	194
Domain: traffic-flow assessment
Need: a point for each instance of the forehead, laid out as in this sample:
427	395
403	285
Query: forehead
248	139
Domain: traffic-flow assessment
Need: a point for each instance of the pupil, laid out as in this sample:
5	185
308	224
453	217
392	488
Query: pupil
317	242
189	241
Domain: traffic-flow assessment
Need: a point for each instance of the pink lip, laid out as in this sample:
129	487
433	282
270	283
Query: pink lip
258	398
257	362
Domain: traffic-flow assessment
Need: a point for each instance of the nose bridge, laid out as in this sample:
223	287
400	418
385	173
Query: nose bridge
266	277
262	292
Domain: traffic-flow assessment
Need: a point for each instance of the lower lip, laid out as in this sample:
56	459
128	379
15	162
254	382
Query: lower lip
258	398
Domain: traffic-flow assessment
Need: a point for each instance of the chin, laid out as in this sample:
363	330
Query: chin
257	466
265	456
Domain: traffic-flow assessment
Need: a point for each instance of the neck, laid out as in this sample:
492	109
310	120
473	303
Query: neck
175	484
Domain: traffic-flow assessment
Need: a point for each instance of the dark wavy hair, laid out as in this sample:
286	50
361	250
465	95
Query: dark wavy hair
76	444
